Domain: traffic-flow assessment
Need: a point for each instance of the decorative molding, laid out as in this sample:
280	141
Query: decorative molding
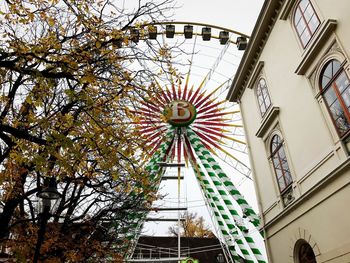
313	78
255	74
326	29
286	9
333	51
335	48
302	235
267	121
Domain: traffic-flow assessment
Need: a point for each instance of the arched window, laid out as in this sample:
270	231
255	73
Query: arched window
335	88
305	21
280	163
263	96
304	253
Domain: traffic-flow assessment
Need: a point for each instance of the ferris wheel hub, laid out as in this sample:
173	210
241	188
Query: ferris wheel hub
180	113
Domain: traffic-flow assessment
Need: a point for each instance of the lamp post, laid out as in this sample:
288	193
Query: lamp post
48	197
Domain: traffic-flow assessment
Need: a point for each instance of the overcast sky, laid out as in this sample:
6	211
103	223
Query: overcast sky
239	15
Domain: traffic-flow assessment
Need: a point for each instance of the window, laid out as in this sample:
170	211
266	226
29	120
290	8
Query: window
335	88
280	163
304	253
263	96
305	21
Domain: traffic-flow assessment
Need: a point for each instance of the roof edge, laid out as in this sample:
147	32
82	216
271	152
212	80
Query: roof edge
261	31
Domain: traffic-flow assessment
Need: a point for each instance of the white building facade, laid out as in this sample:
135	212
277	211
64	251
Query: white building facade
293	87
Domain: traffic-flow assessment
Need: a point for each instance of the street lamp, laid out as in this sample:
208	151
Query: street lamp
48	199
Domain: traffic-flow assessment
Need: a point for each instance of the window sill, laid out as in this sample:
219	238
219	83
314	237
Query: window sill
325	30
287	196
267	121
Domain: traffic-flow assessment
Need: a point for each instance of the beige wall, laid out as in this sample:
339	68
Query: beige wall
322	219
313	149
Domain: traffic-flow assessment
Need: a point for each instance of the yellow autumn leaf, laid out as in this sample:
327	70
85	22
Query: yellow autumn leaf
51	21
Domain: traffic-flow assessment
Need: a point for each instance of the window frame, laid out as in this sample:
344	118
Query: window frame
276	152
339	98
260	91
305	21
302	249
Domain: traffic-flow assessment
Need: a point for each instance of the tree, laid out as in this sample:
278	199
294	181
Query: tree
192	226
69	72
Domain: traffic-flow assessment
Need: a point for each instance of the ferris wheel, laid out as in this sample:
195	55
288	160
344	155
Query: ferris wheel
190	123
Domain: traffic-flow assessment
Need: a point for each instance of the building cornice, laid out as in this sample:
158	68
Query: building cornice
266	19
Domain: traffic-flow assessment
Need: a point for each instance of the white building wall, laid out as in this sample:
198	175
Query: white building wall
319	212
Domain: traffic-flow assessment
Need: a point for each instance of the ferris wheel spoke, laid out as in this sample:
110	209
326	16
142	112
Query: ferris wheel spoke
199	103
152	129
184	93
173	90
214	110
215	124
219	134
150	105
209	106
164	96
